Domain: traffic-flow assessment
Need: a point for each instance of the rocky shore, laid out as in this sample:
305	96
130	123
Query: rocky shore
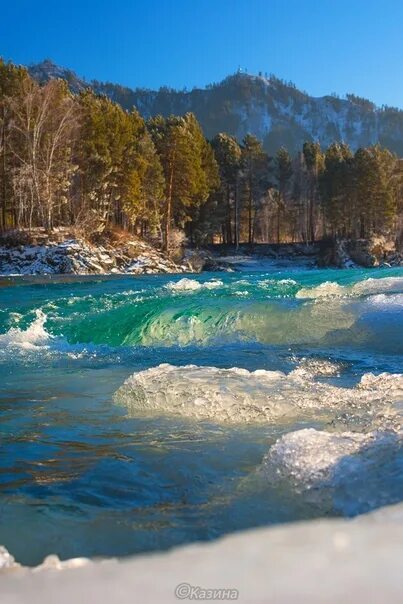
368	253
61	253
333	253
55	254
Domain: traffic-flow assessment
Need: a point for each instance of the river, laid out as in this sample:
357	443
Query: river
138	413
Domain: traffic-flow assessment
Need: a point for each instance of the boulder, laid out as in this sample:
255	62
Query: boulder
376	251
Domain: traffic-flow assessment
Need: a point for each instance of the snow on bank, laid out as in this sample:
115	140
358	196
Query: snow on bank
78	257
51	562
329	560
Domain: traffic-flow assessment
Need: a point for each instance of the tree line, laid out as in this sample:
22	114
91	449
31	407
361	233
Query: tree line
81	160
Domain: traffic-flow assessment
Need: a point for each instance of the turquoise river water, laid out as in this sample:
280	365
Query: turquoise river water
138	413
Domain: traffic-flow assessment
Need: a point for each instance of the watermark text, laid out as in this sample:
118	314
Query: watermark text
185	591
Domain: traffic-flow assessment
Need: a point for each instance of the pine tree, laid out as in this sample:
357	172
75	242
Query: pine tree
108	181
314	161
336	186
151	188
375	189
186	164
208	180
228	155
255	178
283	174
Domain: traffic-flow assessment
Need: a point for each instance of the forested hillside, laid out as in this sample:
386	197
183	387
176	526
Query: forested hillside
273	110
80	159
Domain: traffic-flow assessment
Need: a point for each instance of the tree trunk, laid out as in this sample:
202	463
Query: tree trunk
311	220
167	224
236	215
3	175
229	229
250	241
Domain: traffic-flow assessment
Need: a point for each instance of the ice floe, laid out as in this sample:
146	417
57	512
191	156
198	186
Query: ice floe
237	395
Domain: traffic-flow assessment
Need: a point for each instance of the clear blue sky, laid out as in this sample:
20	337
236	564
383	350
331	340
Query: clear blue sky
323	46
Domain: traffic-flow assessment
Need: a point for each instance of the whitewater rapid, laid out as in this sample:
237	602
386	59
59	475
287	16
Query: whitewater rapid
145	412
364	316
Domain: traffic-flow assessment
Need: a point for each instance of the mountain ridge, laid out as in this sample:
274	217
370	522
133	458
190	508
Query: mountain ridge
275	111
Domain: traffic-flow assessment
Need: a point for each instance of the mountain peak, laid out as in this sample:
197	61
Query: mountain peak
48	70
274	110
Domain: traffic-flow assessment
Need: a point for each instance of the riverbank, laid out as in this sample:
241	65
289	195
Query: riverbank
365	253
63	252
329	561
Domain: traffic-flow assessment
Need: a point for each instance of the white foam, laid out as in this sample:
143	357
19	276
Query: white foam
362	288
237	395
267	283
191	285
35	336
392	384
316	367
388	285
389	302
324	290
310	454
53	562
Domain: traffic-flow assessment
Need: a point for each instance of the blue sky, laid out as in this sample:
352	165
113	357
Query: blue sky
323	46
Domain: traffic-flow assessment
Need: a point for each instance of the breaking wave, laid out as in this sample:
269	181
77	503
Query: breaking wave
366	316
335	323
34	337
267	311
